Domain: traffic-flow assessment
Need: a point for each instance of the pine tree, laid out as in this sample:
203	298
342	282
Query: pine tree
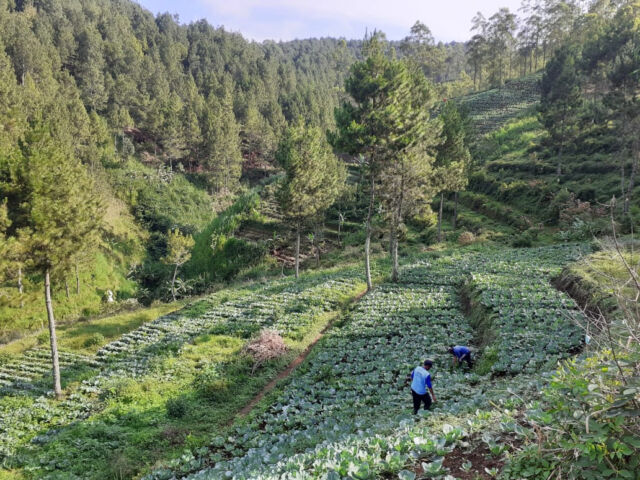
314	177
59	214
363	128
223	158
561	100
407	174
624	97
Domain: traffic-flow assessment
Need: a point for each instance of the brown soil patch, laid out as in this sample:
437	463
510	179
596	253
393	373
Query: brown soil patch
480	458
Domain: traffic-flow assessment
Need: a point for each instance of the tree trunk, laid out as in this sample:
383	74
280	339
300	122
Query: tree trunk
77	280
52	336
173	283
632	178
66	288
367	242
440	218
455	210
393	249
297	255
20	286
317	245
559	168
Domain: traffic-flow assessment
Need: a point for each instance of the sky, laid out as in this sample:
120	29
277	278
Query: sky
260	20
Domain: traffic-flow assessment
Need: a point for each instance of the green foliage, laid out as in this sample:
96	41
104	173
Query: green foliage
94	340
178	248
177	407
217	254
561	101
314	177
589	418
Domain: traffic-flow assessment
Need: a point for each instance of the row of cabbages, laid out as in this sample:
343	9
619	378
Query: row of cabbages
344	414
30	416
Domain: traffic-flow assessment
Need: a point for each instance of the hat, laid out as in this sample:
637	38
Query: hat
428	362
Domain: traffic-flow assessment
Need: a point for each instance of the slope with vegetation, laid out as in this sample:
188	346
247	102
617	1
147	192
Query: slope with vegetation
138	159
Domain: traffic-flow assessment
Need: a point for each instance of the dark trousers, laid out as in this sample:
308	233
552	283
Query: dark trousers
418	399
466	358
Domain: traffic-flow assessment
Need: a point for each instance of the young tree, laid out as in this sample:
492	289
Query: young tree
314	177
178	253
58	215
453	157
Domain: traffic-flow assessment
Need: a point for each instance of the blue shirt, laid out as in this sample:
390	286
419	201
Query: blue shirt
420	380
460	351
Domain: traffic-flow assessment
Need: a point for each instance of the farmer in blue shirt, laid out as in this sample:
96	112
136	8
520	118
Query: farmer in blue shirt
420	381
460	354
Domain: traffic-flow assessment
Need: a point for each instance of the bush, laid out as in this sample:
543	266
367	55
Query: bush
466	238
43	338
587	424
268	346
94	340
177	407
211	385
525	239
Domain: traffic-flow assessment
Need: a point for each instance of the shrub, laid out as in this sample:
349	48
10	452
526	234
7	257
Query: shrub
43	338
94	340
268	346
525	239
176	407
211	385
466	238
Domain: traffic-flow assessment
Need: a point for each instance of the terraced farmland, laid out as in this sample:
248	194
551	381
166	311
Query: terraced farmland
30	417
491	109
347	413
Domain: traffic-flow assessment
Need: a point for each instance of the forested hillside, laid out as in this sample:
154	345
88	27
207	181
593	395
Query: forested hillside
235	252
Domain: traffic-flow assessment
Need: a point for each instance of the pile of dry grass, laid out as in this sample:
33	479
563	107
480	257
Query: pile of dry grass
267	346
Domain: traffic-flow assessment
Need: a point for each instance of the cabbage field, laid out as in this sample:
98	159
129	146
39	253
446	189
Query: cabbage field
29	415
347	412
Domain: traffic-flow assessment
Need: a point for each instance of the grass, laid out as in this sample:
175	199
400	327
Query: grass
595	278
80	337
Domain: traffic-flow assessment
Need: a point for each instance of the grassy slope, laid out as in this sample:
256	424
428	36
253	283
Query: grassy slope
105	268
134	197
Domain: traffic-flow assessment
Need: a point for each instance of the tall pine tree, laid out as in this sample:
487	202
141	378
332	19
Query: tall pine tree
59	214
314	177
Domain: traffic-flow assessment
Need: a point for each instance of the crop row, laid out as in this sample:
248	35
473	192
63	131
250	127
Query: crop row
333	417
28	417
346	412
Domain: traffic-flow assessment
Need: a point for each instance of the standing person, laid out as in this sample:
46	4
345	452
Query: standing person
420	381
460	354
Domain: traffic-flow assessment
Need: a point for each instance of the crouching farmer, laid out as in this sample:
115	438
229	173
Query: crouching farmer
420	381
460	354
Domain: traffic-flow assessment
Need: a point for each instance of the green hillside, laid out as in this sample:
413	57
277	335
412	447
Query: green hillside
224	259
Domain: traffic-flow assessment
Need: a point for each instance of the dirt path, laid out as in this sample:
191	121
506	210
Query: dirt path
290	368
